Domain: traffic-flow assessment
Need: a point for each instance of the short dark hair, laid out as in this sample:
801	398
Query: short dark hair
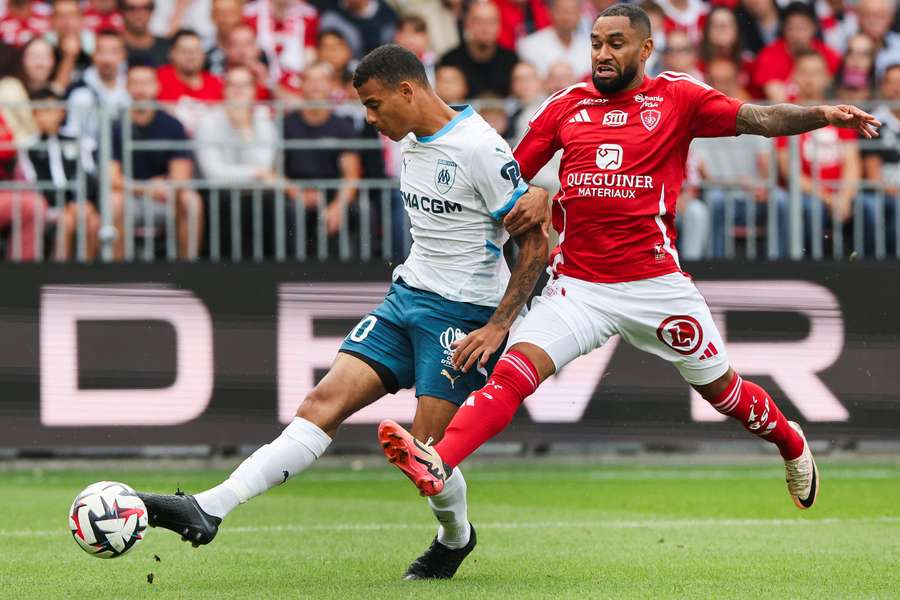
45	93
887	70
798	9
140	62
637	18
183	33
810	53
333	33
391	64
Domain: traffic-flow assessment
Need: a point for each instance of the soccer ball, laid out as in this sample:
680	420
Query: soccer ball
107	519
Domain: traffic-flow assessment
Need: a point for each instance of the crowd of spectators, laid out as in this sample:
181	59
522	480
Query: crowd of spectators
508	55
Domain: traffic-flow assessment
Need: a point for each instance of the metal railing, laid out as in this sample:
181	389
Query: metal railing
288	219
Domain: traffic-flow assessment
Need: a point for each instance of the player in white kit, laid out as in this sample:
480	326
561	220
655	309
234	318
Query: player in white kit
459	184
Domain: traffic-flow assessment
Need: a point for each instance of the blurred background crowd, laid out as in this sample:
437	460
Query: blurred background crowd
255	101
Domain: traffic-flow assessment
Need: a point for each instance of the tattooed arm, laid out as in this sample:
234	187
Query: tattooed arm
479	345
791	119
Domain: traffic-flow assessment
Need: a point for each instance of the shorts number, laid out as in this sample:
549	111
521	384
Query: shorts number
363	328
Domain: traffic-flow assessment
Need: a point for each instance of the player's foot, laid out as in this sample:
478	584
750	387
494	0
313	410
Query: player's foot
420	462
802	475
439	561
181	514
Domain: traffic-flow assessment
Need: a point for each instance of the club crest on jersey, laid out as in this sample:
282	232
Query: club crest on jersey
615	118
609	157
650	118
447	337
444	175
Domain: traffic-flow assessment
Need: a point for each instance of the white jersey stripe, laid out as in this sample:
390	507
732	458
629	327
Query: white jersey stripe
676	76
667	243
553	97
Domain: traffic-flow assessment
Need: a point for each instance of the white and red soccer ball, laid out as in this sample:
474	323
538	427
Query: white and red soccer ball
107	519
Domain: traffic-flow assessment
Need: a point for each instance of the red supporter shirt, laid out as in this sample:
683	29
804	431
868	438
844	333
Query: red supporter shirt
172	88
513	18
98	21
16	32
822	151
622	167
285	41
775	63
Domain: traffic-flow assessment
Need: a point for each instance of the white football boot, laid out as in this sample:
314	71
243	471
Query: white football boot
802	475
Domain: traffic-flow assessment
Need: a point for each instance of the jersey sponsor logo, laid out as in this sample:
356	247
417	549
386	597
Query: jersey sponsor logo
681	333
648	101
592	101
446	339
609	157
581	116
608	185
650	119
511	172
444	175
435	206
615	118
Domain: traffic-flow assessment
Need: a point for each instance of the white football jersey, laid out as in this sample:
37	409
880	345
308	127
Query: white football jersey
457	185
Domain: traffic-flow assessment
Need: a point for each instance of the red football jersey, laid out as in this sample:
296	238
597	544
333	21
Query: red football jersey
98	21
622	167
172	87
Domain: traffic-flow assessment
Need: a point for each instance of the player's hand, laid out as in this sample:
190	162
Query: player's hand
850	117
477	347
334	217
530	210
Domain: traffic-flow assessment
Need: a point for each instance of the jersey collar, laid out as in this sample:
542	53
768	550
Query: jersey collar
465	111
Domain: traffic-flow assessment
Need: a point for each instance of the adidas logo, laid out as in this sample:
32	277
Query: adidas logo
709	352
581	117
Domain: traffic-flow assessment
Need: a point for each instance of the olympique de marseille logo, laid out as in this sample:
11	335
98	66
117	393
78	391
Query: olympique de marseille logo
444	175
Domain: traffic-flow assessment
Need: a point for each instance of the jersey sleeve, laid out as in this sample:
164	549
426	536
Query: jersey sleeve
714	114
497	177
540	141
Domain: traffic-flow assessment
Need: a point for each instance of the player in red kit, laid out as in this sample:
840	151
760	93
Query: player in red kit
625	140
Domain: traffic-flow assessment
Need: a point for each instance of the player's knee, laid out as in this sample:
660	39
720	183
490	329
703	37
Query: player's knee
714	390
323	409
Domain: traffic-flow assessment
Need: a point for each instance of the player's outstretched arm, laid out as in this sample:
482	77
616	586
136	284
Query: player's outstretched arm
790	119
531	209
479	345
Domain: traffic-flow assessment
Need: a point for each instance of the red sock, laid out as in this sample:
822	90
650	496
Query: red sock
489	410
752	405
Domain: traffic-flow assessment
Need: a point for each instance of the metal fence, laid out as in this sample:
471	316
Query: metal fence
285	219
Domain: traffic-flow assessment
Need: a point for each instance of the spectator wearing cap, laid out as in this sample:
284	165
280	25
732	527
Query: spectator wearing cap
875	20
183	83
366	24
142	46
72	42
58	158
103	85
562	40
486	65
23	21
286	31
225	15
103	15
156	175
775	64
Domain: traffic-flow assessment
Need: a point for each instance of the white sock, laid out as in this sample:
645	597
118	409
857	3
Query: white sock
298	446
451	511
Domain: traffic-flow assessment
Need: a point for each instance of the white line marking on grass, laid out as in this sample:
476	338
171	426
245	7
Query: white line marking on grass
627	524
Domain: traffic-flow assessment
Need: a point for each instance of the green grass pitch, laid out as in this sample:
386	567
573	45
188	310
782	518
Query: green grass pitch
545	531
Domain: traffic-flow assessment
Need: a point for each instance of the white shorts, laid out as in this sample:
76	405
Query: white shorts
665	316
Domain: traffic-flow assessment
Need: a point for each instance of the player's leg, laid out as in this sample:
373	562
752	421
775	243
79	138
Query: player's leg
668	317
558	329
375	358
